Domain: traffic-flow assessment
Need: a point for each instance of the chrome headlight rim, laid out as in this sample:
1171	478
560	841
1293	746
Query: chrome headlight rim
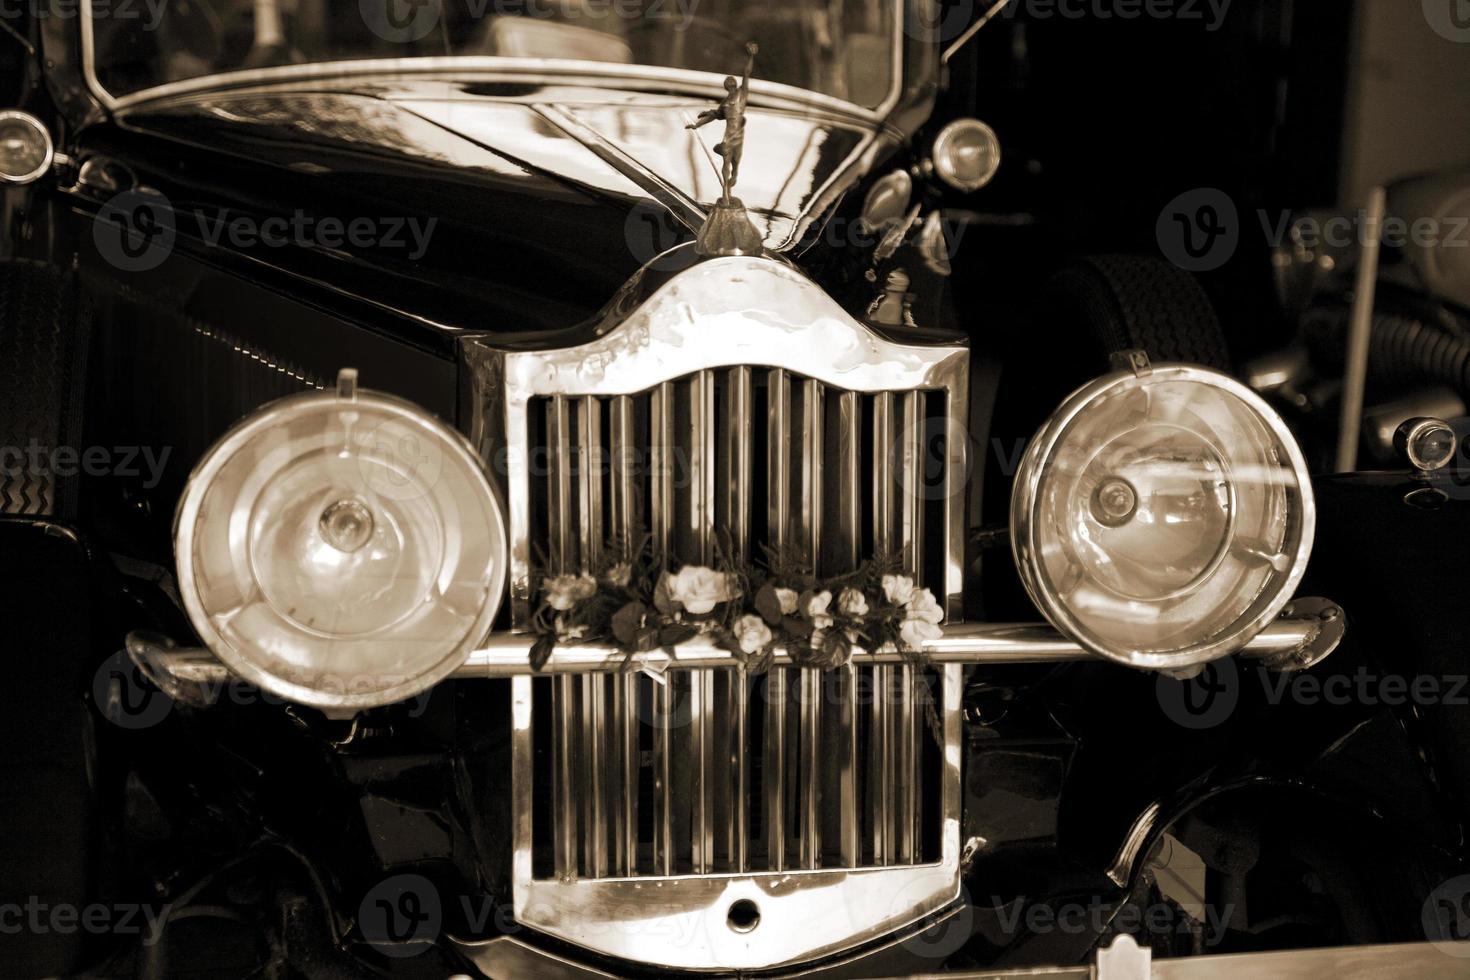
242	665
1025	527
48	155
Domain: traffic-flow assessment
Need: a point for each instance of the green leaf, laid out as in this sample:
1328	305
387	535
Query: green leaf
796	627
661	599
647	639
541	650
675	633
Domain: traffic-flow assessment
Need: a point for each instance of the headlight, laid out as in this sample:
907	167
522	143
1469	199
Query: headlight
1162	517
341	549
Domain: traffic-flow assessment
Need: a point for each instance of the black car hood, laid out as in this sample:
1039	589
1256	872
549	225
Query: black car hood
540	197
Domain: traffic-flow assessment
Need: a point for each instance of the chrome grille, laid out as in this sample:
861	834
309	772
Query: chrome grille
651	778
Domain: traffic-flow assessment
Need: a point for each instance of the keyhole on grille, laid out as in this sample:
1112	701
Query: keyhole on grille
743	916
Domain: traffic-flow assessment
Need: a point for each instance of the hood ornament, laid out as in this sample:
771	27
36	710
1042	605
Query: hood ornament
728	229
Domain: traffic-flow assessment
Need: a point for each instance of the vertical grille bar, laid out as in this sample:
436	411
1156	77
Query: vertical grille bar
589	473
739	423
911	502
663	814
564	688
778	400
811	767
850	517
809	515
559	514
661	455
702	682
594	735
880	763
623	514
701	739
809	536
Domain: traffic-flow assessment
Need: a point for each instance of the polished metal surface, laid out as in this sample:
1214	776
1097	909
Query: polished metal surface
42	134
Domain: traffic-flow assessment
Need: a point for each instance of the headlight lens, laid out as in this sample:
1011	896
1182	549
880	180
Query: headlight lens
1162	518
342	550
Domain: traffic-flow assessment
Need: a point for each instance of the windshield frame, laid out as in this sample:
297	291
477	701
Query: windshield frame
683	80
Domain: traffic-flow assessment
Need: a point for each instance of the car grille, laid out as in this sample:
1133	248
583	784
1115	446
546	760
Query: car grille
711	770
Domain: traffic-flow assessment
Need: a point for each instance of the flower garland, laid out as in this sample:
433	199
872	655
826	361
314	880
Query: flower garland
636	605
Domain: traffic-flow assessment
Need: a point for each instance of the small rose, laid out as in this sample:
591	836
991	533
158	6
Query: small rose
699	589
788	599
923	606
814	606
752	634
914	633
852	603
619	575
898	589
565	591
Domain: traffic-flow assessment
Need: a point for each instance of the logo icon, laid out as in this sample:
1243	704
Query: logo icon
1447	916
398	463
1203	701
125	697
401	916
651	231
1450	19
135	230
400	21
1199	230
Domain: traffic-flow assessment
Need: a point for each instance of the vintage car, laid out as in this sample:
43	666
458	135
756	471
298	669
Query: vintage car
507	490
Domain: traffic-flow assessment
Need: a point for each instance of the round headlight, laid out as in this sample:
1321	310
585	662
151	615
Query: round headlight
341	549
26	150
1162	517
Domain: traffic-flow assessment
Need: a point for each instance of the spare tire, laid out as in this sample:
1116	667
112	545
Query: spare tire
1126	302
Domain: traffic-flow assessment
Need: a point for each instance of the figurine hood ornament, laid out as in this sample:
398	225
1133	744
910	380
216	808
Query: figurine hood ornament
728	229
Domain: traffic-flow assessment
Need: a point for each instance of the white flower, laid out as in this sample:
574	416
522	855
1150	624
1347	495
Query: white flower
565	591
752	634
568	632
819	637
814	606
898	589
913	633
618	575
699	589
852	603
788	599
923	606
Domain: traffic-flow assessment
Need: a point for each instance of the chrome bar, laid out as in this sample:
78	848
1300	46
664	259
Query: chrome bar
849	841
563	792
594	739
773	778
559	513
625	776
880	734
661	457
810	741
739	790
738	422
589	472
701	750
663	776
809	515
622	449
702	467
507	654
911	489
850	499
904	751
778	398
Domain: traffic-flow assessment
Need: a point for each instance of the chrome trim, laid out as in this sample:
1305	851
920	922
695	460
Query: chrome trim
47	159
1026	547
508	654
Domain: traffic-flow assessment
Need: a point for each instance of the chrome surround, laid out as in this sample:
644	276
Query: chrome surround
723	313
942	155
680	922
49	157
1026	548
270	417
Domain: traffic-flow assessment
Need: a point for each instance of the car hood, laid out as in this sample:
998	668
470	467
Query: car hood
547	199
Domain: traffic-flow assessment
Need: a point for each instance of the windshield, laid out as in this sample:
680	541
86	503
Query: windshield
839	48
